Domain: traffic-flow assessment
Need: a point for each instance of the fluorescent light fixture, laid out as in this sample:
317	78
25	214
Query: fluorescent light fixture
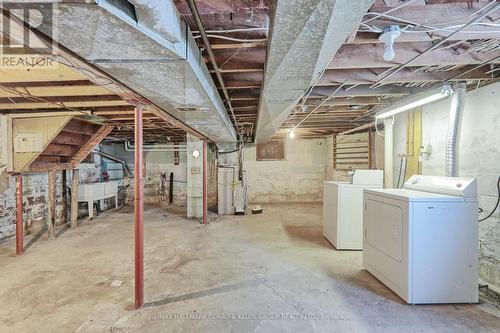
445	92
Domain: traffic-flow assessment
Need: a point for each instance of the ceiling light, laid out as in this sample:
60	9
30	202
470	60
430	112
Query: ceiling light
388	36
196	153
445	91
291	134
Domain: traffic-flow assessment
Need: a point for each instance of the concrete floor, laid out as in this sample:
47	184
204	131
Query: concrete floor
257	267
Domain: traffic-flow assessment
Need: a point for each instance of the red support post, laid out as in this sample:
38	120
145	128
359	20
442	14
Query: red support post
204	182
138	210
19	215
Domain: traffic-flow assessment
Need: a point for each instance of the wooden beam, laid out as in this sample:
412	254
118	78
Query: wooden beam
345	101
369	76
240	70
37	106
62	83
371	56
101	133
68	138
60	99
74	198
361	91
58	150
90	110
51	205
45	159
80	127
46	167
224	46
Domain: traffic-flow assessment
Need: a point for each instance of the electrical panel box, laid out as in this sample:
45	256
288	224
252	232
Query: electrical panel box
28	143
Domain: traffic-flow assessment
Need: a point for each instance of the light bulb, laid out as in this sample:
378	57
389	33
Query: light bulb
388	37
291	134
196	153
389	52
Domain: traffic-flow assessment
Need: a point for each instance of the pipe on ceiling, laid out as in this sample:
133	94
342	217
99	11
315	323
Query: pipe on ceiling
157	147
454	125
211	56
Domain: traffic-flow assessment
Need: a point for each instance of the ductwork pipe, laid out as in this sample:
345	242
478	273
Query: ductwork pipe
454	125
170	147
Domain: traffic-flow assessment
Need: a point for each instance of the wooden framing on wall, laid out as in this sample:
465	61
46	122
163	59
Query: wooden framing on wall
352	151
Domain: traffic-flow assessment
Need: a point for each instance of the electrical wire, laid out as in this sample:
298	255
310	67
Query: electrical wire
404	172
496	205
428	26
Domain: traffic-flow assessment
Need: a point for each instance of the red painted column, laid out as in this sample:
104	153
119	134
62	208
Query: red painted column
204	182
19	215
138	210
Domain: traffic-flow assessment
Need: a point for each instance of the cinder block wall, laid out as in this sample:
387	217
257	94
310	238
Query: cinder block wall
298	178
156	163
35	198
479	158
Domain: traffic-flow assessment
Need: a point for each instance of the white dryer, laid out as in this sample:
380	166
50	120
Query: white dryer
343	208
422	241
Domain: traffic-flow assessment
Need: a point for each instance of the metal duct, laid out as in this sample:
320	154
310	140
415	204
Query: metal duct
454	125
152	53
305	35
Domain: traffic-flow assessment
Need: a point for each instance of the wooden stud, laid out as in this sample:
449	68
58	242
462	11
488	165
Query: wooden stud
99	135
64	216
74	198
51	212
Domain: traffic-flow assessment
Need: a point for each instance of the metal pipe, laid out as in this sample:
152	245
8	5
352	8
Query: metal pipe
115	159
171	188
138	210
319	105
435	46
19	215
211	56
161	147
359	128
388	152
204	182
454	124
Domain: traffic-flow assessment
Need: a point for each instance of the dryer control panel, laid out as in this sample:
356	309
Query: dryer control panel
456	186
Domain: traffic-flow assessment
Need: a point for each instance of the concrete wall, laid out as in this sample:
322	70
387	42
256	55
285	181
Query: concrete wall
35	198
298	178
479	158
156	163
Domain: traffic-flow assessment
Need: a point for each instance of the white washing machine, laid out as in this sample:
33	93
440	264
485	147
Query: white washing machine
422	240
343	208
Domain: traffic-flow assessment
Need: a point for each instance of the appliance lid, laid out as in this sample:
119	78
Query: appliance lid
403	194
454	186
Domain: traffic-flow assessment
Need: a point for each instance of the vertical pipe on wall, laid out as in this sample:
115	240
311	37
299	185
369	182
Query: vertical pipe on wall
204	190
19	215
454	124
138	210
388	152
171	188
